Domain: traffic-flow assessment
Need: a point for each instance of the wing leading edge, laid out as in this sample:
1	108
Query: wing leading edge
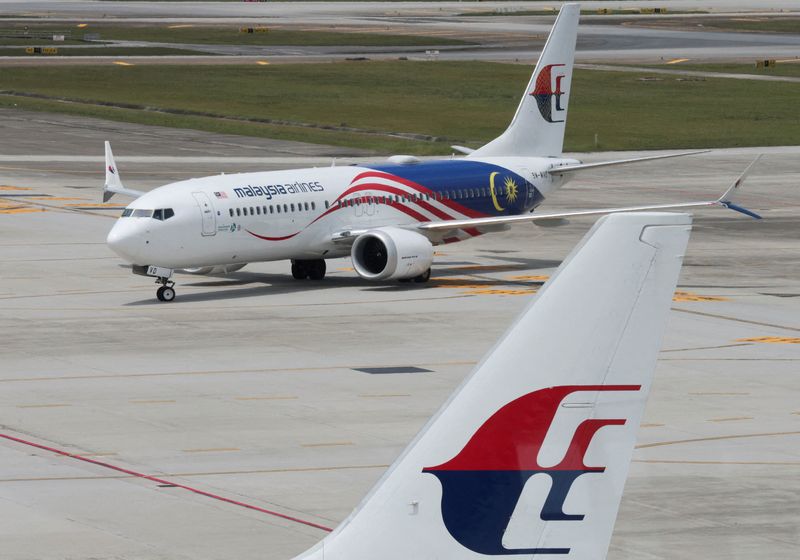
726	201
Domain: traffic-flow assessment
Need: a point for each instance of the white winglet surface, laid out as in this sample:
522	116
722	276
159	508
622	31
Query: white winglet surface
113	184
529	456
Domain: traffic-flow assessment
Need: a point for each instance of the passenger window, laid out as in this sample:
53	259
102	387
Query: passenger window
271	209
251	211
326	205
313	207
305	206
264	210
292	206
238	211
231	211
285	208
278	207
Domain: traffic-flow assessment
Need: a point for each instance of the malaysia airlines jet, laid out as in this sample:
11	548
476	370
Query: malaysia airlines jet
387	217
530	455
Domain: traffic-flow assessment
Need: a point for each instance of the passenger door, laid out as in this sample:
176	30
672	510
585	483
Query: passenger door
207	213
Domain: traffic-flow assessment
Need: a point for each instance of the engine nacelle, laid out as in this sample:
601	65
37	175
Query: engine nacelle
212	270
391	253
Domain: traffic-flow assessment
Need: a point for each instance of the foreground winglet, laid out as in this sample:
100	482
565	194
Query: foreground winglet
529	456
113	184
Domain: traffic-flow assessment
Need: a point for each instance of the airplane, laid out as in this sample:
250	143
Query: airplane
530	454
387	217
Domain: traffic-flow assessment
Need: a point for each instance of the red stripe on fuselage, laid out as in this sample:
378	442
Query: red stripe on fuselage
283	238
447	202
394	190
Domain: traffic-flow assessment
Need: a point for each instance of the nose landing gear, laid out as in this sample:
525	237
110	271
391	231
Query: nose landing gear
162	275
166	292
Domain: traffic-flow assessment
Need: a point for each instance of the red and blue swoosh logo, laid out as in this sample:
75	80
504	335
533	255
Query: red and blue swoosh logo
482	484
544	92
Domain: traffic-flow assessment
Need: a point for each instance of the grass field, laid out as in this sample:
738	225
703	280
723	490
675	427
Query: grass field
468	103
226	35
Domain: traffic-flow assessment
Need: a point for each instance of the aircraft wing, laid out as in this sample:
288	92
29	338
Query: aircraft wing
585	166
726	201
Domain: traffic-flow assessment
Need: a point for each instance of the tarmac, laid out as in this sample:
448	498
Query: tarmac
238	420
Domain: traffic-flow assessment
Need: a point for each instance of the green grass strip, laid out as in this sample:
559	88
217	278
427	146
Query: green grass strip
452	102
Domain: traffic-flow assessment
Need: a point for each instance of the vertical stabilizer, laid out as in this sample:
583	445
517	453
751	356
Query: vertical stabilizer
537	128
530	455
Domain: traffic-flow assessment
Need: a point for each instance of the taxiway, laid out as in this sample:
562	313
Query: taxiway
132	429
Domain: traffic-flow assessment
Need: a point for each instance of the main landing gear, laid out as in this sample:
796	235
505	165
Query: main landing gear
313	269
166	292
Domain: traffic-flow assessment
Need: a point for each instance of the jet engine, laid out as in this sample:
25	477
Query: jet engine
392	253
212	270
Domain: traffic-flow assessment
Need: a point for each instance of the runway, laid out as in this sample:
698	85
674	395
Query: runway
241	420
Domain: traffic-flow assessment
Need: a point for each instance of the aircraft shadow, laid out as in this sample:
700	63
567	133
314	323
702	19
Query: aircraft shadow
446	274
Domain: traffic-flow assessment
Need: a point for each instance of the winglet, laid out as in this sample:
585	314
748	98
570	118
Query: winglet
559	396
728	196
113	184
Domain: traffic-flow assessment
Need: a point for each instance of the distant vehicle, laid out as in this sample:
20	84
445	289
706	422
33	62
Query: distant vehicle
528	458
386	217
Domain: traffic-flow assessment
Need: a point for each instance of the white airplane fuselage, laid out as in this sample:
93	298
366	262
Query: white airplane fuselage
297	214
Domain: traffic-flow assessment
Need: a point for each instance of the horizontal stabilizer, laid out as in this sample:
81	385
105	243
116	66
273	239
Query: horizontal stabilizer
463	149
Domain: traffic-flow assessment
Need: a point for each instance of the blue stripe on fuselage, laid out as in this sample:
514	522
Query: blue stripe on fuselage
470	182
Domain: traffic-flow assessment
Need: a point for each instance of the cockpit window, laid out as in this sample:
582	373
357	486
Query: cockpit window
160	214
163	213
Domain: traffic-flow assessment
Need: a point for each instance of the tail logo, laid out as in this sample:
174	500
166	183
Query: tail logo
482	484
111	170
545	91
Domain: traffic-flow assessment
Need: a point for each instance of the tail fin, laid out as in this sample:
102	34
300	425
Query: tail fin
537	128
530	455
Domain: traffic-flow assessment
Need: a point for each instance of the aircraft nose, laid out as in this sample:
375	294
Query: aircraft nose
124	241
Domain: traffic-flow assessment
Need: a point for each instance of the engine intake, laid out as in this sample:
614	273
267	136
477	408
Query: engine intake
391	253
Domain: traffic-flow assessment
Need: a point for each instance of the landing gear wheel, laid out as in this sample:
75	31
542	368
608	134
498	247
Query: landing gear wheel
165	293
424	277
299	271
316	269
